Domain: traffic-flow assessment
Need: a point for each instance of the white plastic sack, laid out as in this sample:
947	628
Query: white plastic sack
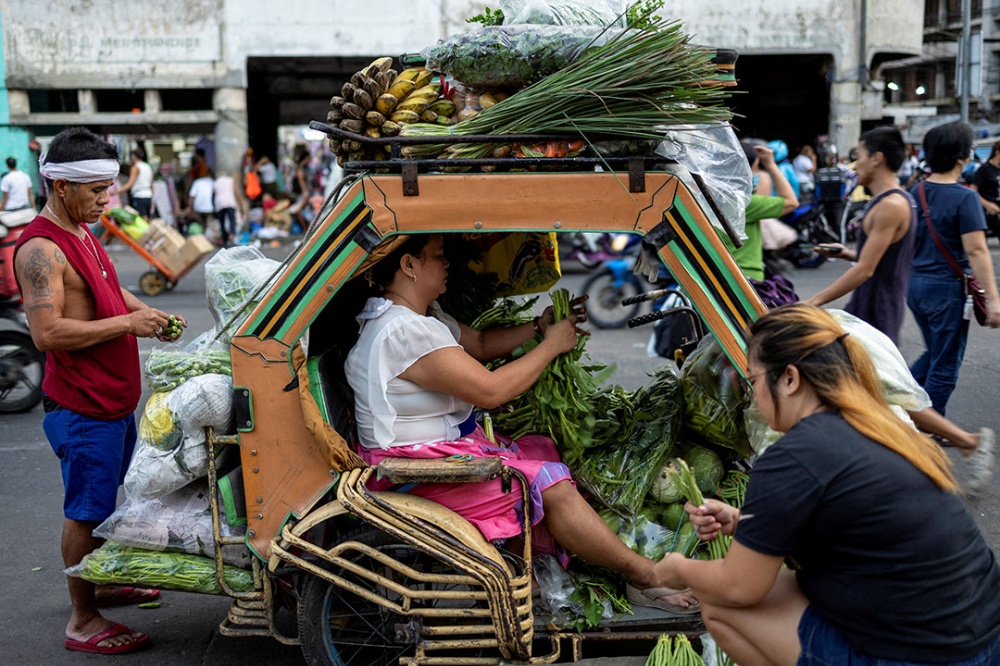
899	388
180	522
155	472
202	402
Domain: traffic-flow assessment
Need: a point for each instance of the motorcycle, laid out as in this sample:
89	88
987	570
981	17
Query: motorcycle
21	364
613	286
592	249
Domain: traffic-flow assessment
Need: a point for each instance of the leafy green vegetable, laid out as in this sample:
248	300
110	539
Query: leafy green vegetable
511	56
488	17
558	404
641	14
632	438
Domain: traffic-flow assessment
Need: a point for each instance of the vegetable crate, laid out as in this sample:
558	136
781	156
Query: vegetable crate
387	577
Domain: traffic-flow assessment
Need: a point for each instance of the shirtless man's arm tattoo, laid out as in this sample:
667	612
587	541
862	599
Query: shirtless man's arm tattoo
38	269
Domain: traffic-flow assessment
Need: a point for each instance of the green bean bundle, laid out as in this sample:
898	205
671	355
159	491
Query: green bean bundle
115	564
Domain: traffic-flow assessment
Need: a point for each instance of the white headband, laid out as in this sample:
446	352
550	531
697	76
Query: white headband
82	171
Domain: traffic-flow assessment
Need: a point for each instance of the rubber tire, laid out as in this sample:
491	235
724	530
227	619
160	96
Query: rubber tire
152	283
316	596
169	286
26	350
604	308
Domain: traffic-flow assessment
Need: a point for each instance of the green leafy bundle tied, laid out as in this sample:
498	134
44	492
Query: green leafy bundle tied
558	404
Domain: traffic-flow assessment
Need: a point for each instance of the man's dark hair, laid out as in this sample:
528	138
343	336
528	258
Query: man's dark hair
946	144
140	153
11	163
888	141
76	144
79	143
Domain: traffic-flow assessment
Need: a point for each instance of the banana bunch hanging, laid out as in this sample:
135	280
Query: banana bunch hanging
378	101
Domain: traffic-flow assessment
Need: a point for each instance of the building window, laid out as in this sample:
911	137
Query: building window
954	12
187	99
120	101
932	13
53	101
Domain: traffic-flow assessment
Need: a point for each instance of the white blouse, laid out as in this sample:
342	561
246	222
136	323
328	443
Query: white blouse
391	411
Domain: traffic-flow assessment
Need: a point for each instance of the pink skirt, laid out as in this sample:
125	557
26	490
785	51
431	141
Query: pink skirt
498	515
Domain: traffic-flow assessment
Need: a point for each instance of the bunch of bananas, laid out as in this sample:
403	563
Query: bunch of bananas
378	101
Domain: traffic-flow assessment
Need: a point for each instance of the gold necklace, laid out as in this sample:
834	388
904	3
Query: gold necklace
90	248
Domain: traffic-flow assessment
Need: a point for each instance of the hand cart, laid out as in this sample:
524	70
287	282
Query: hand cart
160	277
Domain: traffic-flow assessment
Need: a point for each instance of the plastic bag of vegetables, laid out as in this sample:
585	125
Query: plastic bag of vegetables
232	278
165	459
116	564
205	401
171	365
512	56
156	472
180	522
633	434
714	398
158	425
565	12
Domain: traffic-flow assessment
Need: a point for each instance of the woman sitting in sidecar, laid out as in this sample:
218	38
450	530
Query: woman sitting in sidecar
417	375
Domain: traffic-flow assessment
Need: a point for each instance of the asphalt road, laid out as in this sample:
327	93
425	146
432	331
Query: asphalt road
33	602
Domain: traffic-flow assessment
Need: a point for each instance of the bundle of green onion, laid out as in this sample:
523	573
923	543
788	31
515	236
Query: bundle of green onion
633	86
684	478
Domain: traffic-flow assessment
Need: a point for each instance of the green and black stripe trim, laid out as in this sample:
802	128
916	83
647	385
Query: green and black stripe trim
352	229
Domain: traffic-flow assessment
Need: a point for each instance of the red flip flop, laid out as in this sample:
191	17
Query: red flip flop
123	596
91	645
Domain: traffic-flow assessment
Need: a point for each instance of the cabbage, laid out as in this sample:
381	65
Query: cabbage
663	489
707	468
671	516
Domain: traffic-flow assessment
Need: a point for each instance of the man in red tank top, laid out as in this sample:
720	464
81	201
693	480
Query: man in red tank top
87	325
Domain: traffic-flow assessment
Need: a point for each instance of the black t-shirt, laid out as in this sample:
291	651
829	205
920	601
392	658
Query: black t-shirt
987	181
895	563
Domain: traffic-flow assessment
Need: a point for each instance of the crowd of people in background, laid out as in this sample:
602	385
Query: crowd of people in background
282	200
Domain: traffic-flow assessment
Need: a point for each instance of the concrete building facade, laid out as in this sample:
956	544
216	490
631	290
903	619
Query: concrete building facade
235	71
924	89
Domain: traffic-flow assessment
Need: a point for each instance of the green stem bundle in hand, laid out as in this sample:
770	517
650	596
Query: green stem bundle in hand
684	478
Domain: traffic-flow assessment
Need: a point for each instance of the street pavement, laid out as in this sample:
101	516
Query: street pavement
34	605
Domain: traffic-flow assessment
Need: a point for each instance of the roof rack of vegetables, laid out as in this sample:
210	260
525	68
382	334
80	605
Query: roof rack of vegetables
632	86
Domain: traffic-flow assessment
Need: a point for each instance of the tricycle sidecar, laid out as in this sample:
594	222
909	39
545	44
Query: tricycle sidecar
386	577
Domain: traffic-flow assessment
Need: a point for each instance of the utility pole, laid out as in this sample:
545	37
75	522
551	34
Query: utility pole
965	55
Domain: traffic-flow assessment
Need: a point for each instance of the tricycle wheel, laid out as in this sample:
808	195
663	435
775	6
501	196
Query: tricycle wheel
152	282
169	286
340	628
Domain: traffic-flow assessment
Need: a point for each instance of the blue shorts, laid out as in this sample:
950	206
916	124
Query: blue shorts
824	645
94	456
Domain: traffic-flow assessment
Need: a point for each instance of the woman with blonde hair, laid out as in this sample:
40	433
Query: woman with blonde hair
885	563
